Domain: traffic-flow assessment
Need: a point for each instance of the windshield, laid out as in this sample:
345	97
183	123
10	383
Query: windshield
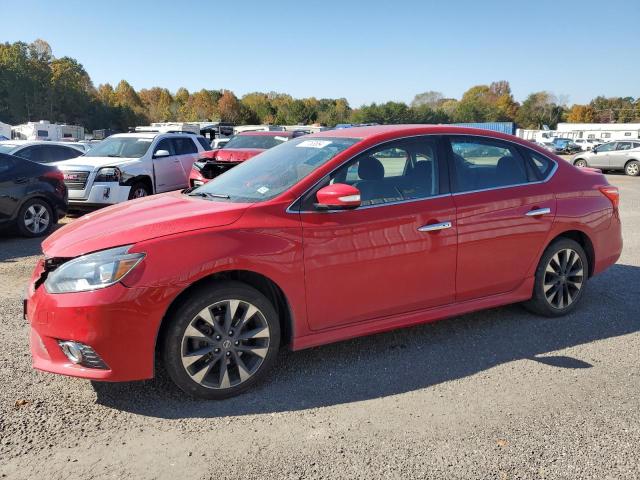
124	147
272	172
255	141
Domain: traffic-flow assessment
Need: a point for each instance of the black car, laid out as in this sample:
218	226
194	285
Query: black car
33	196
40	151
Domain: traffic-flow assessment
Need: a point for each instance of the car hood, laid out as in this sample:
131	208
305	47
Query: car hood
138	220
92	163
232	154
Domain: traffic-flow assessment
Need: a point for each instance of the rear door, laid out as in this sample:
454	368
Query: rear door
504	213
619	157
12	186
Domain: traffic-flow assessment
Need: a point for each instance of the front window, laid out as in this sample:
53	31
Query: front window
6	148
607	147
121	147
255	141
272	172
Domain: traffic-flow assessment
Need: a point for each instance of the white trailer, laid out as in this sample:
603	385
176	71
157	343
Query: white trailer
42	130
166	127
605	132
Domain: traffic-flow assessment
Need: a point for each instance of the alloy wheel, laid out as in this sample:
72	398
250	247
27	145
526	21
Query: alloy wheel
633	169
225	344
580	163
36	218
139	193
563	278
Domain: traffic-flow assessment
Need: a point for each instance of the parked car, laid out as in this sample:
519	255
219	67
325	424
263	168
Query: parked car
565	146
320	239
131	165
42	151
587	144
238	149
621	155
33	196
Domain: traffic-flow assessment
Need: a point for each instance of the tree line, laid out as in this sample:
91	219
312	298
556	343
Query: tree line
36	85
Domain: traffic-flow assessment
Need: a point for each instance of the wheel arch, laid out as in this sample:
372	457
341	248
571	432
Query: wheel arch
37	196
263	284
584	241
146	179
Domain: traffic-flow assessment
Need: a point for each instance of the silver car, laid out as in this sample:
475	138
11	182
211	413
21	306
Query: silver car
618	155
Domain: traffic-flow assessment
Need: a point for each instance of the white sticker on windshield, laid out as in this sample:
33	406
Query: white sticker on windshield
262	190
314	143
281	139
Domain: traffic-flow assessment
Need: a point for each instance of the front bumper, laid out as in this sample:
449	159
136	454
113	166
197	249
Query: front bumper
118	322
99	194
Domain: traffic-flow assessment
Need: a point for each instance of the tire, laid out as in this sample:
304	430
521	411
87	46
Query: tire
35	218
580	162
632	168
203	355
546	281
139	190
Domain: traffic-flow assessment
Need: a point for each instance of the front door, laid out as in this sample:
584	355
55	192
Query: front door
504	212
394	254
167	170
601	157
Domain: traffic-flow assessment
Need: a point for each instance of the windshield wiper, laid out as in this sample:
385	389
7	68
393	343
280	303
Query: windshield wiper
209	195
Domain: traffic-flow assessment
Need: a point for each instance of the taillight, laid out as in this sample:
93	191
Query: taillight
612	193
55	174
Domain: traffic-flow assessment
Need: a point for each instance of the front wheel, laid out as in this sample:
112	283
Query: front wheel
139	190
580	162
560	279
221	340
632	168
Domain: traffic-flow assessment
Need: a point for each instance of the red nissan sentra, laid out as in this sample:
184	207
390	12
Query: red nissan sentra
323	238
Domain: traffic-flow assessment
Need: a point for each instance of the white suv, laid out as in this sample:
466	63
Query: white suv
131	165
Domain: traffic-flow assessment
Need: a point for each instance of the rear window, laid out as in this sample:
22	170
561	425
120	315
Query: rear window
255	141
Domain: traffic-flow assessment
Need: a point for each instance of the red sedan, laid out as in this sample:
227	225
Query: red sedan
240	148
323	238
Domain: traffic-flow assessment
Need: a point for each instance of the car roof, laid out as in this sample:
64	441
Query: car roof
266	134
20	143
395	131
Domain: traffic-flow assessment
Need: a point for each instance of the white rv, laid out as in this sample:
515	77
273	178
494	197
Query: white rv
5	131
170	127
45	130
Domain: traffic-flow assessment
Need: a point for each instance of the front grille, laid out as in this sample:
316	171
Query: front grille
213	169
75	179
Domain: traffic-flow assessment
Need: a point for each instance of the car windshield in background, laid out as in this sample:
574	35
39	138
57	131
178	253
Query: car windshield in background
255	141
122	147
6	148
274	171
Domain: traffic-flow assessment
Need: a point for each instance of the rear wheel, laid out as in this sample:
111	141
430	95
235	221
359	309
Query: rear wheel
221	341
560	279
35	218
139	190
581	162
632	168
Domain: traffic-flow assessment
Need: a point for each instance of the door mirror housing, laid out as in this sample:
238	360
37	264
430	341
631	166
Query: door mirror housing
161	153
594	149
338	196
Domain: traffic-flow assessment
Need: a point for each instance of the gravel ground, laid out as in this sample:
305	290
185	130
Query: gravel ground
497	394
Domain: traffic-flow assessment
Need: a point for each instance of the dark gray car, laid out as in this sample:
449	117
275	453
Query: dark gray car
618	155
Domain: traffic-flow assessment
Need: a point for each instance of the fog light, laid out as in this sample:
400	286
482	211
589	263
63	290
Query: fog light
73	351
81	354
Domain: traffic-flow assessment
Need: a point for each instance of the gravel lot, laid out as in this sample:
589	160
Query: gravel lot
497	394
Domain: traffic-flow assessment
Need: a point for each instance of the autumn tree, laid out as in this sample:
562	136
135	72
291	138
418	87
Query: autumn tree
229	107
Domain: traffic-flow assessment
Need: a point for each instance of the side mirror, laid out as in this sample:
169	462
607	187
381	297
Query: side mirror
161	153
338	196
594	149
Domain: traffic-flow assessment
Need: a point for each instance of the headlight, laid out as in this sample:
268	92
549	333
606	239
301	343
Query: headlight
109	174
93	271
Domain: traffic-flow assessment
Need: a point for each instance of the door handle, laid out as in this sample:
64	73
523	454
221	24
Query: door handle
538	212
434	227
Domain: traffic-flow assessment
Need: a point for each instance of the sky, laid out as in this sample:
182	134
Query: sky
365	51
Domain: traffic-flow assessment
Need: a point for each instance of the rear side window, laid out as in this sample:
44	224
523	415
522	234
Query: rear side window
204	143
37	153
481	164
542	166
624	146
63	153
184	146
